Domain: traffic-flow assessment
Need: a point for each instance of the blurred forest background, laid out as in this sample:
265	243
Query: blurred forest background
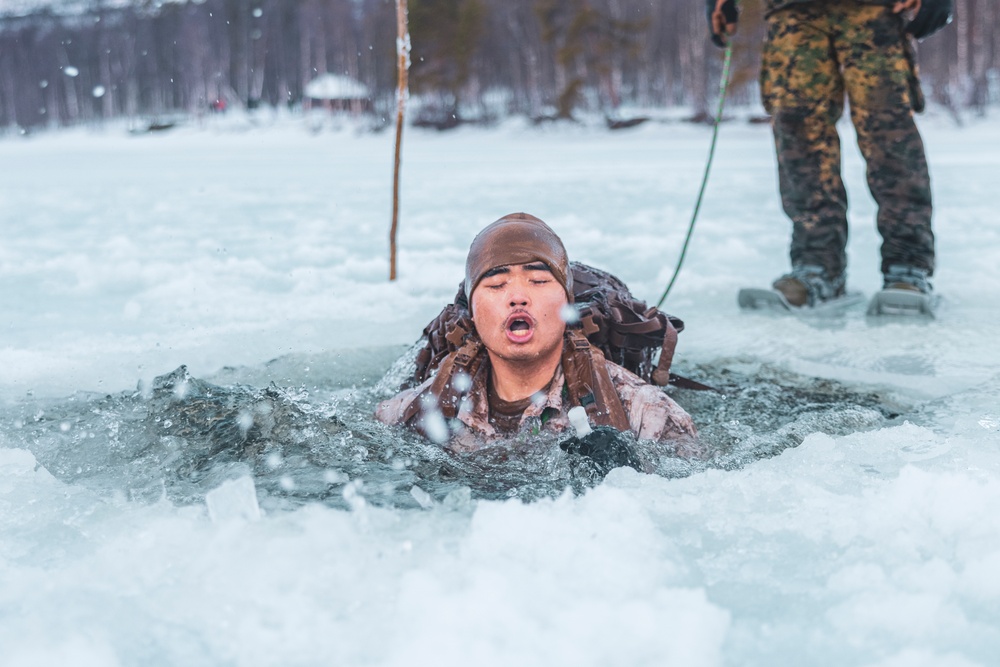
472	60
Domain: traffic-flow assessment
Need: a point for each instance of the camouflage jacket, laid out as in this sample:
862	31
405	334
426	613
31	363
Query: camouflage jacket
653	416
772	6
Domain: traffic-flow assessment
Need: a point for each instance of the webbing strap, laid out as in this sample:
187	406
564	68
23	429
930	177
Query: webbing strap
457	335
589	383
661	374
465	359
688	383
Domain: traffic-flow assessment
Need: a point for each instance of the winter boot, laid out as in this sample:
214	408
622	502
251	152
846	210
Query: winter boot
808	285
905	277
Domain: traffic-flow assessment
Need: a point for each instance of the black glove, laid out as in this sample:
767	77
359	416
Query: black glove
605	446
931	17
729	13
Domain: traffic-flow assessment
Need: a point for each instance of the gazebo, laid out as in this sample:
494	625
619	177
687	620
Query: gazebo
337	92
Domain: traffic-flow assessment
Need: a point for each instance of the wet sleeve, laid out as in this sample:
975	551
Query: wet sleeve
393	411
659	417
651	413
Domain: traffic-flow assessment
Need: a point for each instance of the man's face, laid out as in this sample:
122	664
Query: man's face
517	312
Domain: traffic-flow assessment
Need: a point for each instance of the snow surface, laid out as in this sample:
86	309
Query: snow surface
69	7
234	243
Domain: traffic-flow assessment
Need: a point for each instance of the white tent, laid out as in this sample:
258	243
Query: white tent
336	87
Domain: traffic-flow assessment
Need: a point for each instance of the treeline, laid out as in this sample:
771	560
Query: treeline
471	59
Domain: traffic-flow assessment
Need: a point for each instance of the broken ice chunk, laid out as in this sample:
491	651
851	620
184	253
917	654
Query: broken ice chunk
233	500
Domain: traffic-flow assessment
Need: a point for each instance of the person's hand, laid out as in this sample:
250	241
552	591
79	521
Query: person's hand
605	446
722	18
931	16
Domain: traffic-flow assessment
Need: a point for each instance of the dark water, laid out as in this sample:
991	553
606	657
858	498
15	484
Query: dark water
303	429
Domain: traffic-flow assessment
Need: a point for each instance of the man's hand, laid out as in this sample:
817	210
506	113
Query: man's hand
605	446
931	15
722	18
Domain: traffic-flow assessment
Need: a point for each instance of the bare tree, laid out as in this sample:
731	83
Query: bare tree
486	58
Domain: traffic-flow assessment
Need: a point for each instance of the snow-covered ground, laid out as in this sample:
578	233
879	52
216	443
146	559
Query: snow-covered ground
26	7
260	250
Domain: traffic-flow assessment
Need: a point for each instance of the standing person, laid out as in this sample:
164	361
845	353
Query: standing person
817	51
521	369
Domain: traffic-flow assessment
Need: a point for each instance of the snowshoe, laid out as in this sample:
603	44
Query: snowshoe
903	302
906	291
806	290
761	299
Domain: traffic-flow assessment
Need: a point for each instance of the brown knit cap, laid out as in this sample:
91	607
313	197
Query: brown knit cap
517	238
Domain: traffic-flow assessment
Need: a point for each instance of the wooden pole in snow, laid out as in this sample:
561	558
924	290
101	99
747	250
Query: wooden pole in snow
402	92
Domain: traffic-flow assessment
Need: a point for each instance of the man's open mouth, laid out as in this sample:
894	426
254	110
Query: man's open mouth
519	327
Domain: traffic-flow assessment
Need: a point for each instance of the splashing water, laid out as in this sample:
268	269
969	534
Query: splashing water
182	436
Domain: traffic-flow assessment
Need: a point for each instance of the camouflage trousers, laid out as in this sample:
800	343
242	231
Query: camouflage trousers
815	53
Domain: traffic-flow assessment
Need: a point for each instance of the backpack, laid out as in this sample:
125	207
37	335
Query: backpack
638	338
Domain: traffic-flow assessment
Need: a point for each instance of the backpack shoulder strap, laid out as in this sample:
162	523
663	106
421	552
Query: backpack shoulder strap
443	335
661	374
589	384
448	393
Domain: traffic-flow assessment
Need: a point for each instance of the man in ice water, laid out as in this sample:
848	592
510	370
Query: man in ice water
522	370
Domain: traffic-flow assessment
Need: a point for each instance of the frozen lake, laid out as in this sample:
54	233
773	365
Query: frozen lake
850	514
